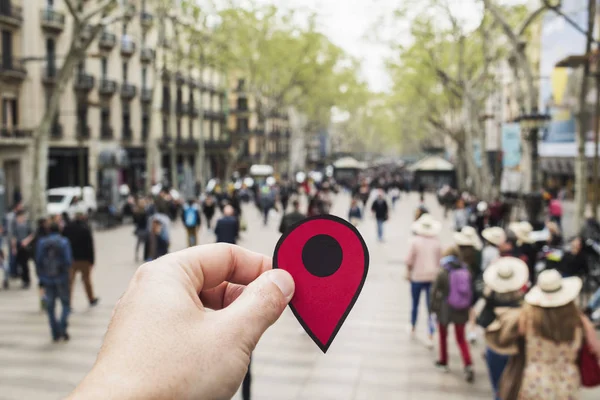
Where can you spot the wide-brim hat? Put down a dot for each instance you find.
(522, 231)
(495, 235)
(505, 275)
(426, 225)
(552, 290)
(468, 237)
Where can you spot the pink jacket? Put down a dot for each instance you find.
(423, 258)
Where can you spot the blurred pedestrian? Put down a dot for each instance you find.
(228, 227)
(524, 248)
(9, 225)
(140, 223)
(192, 221)
(43, 230)
(423, 263)
(494, 237)
(267, 201)
(156, 243)
(54, 260)
(461, 216)
(208, 209)
(354, 213)
(81, 239)
(380, 210)
(451, 300)
(291, 218)
(23, 236)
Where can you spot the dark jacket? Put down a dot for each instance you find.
(355, 212)
(439, 295)
(161, 247)
(140, 220)
(227, 230)
(79, 235)
(380, 208)
(290, 220)
(66, 258)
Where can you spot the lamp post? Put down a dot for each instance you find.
(532, 123)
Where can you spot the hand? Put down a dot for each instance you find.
(162, 343)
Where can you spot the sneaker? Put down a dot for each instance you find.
(469, 374)
(442, 366)
(66, 336)
(94, 302)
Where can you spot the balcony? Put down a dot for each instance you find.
(84, 82)
(11, 16)
(106, 132)
(193, 111)
(241, 110)
(127, 134)
(193, 83)
(107, 41)
(147, 55)
(165, 107)
(127, 46)
(52, 21)
(14, 133)
(56, 131)
(107, 88)
(179, 79)
(146, 95)
(49, 74)
(128, 91)
(211, 114)
(165, 75)
(12, 69)
(181, 109)
(82, 131)
(146, 20)
(221, 143)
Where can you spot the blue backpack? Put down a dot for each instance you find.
(190, 217)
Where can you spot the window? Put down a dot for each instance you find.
(81, 68)
(179, 97)
(125, 68)
(178, 127)
(126, 116)
(145, 126)
(242, 104)
(165, 126)
(104, 67)
(242, 124)
(144, 76)
(7, 49)
(51, 57)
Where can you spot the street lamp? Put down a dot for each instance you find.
(532, 123)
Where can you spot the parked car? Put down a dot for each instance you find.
(71, 201)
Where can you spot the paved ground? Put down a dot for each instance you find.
(372, 357)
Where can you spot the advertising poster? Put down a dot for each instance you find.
(511, 145)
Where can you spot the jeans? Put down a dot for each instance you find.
(496, 364)
(265, 211)
(416, 288)
(595, 301)
(58, 290)
(380, 223)
(459, 332)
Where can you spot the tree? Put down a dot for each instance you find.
(89, 19)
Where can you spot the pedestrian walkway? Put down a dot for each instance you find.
(371, 358)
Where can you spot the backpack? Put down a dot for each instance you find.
(52, 259)
(190, 217)
(460, 294)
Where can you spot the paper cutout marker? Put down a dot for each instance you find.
(329, 261)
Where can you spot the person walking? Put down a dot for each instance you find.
(267, 201)
(228, 227)
(22, 238)
(354, 213)
(43, 230)
(53, 261)
(80, 237)
(524, 246)
(208, 209)
(140, 222)
(381, 211)
(461, 216)
(9, 224)
(292, 218)
(553, 330)
(494, 238)
(423, 263)
(451, 299)
(192, 222)
(156, 243)
(504, 280)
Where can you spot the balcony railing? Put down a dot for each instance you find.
(179, 79)
(127, 47)
(165, 107)
(127, 133)
(128, 91)
(181, 109)
(82, 131)
(49, 74)
(146, 95)
(11, 15)
(107, 87)
(84, 82)
(14, 133)
(52, 21)
(147, 55)
(222, 142)
(12, 68)
(56, 130)
(107, 41)
(194, 111)
(146, 19)
(106, 132)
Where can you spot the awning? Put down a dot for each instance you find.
(563, 166)
(432, 163)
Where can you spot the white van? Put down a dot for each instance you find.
(69, 200)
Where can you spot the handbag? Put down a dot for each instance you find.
(589, 369)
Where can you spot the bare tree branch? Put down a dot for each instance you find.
(73, 11)
(531, 18)
(556, 8)
(100, 9)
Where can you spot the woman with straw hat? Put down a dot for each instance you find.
(469, 246)
(494, 237)
(504, 280)
(553, 329)
(524, 248)
(422, 263)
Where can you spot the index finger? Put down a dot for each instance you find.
(209, 265)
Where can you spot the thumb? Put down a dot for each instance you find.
(260, 305)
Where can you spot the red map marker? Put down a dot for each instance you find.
(328, 260)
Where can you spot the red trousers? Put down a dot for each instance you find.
(459, 330)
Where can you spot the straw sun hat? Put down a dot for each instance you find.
(426, 225)
(468, 237)
(522, 231)
(494, 235)
(507, 274)
(552, 290)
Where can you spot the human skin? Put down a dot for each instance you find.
(163, 342)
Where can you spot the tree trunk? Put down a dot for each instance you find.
(581, 176)
(460, 167)
(595, 179)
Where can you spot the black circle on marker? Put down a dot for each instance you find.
(322, 255)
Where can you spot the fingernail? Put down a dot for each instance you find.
(284, 281)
